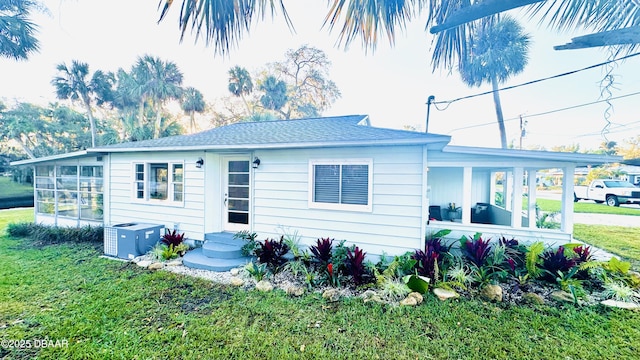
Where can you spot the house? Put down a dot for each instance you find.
(334, 176)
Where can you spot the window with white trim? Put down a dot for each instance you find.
(158, 181)
(341, 185)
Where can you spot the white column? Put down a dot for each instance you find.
(492, 189)
(516, 211)
(566, 217)
(507, 193)
(467, 176)
(531, 211)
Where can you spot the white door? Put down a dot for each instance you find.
(237, 192)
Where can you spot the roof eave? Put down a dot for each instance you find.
(578, 159)
(65, 156)
(390, 142)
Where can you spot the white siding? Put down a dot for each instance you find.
(188, 217)
(281, 188)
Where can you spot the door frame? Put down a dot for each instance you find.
(224, 174)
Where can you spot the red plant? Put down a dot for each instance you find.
(476, 250)
(330, 269)
(272, 252)
(322, 251)
(172, 238)
(355, 264)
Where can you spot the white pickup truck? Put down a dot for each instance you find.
(613, 192)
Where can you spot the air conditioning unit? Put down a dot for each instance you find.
(129, 240)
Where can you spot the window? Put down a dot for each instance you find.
(342, 185)
(158, 181)
(70, 191)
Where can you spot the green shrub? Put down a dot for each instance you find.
(47, 235)
(20, 230)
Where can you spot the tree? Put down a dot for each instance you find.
(275, 93)
(192, 102)
(73, 83)
(157, 81)
(240, 84)
(499, 50)
(224, 22)
(608, 148)
(309, 89)
(21, 124)
(17, 32)
(632, 150)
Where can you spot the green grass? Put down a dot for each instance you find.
(619, 240)
(9, 189)
(584, 207)
(115, 310)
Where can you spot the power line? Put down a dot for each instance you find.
(548, 112)
(449, 102)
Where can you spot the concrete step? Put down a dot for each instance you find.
(218, 250)
(223, 238)
(197, 260)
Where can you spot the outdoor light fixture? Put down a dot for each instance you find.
(256, 163)
(199, 163)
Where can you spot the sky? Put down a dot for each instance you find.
(391, 84)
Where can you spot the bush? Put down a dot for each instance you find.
(47, 235)
(20, 230)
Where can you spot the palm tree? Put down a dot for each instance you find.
(224, 22)
(17, 32)
(240, 84)
(192, 102)
(498, 51)
(73, 83)
(157, 81)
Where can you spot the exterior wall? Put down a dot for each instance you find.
(57, 220)
(395, 224)
(523, 235)
(188, 217)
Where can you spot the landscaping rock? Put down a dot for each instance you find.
(371, 296)
(409, 301)
(331, 295)
(620, 304)
(264, 285)
(144, 263)
(235, 281)
(295, 291)
(176, 262)
(562, 296)
(532, 298)
(491, 293)
(155, 266)
(234, 271)
(445, 294)
(417, 296)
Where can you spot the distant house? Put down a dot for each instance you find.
(334, 176)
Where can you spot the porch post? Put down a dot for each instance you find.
(531, 211)
(467, 175)
(507, 195)
(492, 189)
(516, 211)
(566, 215)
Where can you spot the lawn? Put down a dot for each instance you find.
(589, 207)
(619, 240)
(9, 188)
(14, 195)
(116, 310)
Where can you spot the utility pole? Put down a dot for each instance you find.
(430, 100)
(523, 131)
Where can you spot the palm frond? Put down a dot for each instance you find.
(368, 19)
(222, 23)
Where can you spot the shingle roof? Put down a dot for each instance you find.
(352, 130)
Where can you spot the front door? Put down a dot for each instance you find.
(237, 193)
